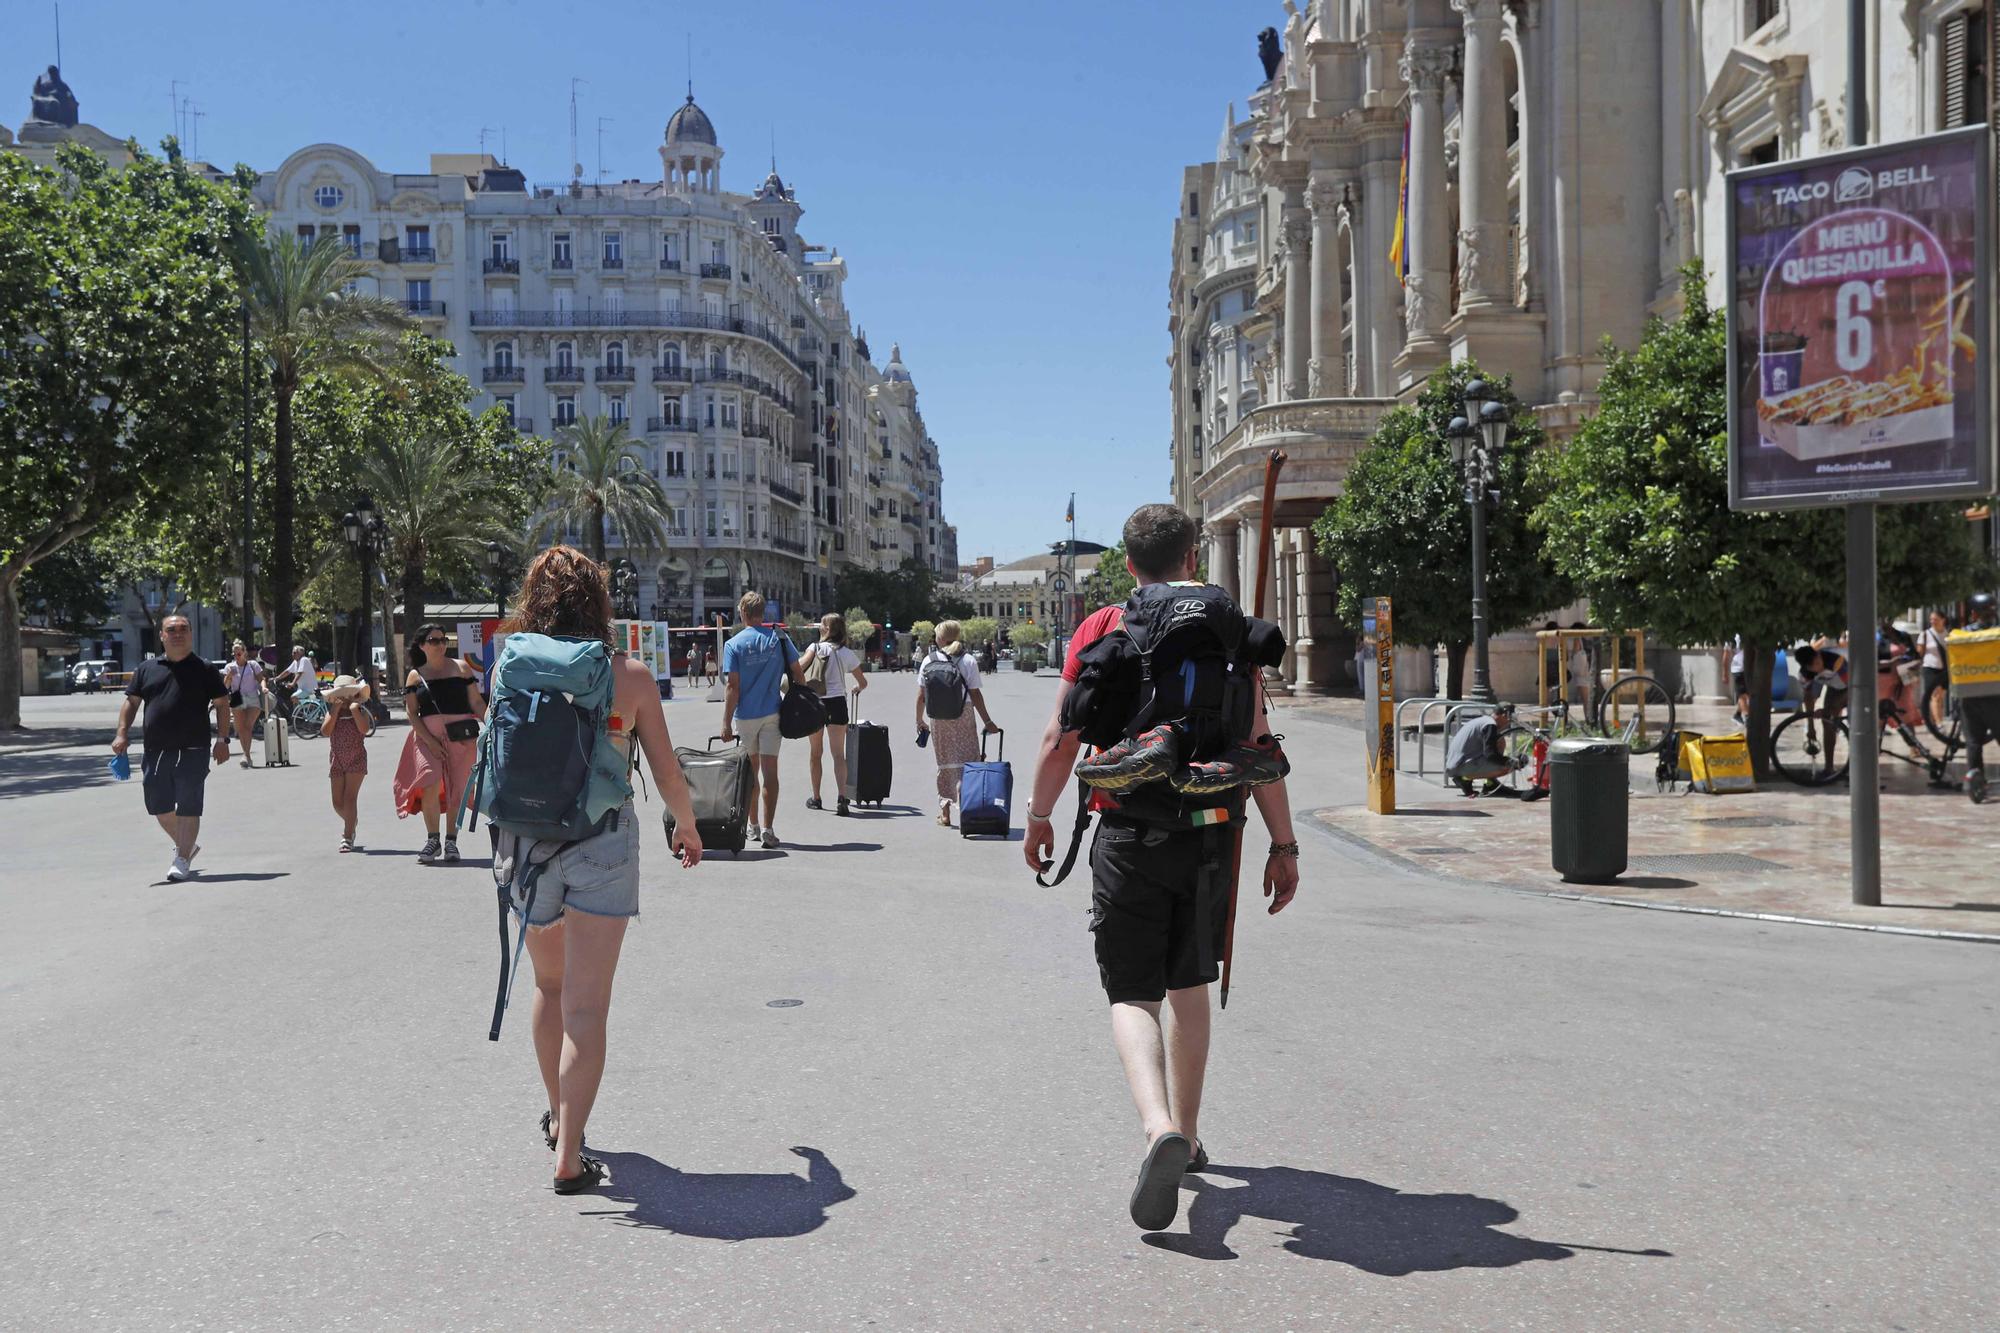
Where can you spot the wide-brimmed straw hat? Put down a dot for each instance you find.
(346, 685)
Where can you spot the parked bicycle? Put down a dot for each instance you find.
(1637, 711)
(1812, 750)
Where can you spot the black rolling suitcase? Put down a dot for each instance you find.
(869, 765)
(719, 788)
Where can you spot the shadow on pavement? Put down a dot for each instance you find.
(832, 846)
(1652, 882)
(32, 774)
(1368, 1226)
(27, 739)
(1407, 812)
(240, 877)
(880, 811)
(722, 1205)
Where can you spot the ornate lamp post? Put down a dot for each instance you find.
(367, 536)
(499, 565)
(1476, 441)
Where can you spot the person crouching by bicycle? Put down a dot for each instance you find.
(441, 696)
(1475, 751)
(1822, 676)
(347, 727)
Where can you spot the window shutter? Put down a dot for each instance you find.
(1952, 73)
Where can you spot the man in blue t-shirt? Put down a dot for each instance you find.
(755, 662)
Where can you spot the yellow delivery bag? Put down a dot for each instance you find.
(1717, 764)
(1973, 660)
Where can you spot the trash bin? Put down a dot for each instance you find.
(1589, 794)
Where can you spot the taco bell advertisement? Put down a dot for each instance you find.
(1859, 326)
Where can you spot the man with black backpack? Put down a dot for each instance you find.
(1167, 688)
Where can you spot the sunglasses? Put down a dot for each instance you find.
(437, 639)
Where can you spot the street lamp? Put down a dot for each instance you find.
(499, 564)
(367, 536)
(1476, 440)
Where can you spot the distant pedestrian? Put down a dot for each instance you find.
(948, 695)
(834, 671)
(301, 676)
(588, 892)
(244, 679)
(1934, 674)
(756, 661)
(347, 727)
(442, 698)
(179, 690)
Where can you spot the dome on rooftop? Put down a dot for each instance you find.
(773, 186)
(691, 124)
(896, 370)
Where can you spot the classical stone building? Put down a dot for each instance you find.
(1565, 159)
(701, 317)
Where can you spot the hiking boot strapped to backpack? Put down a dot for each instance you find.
(546, 775)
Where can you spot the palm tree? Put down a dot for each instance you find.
(604, 483)
(435, 506)
(309, 317)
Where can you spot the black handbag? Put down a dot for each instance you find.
(800, 713)
(465, 729)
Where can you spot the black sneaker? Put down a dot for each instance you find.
(1250, 764)
(1975, 785)
(428, 853)
(1147, 757)
(451, 851)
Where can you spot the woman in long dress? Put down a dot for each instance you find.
(439, 692)
(954, 740)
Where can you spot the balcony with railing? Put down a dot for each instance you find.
(525, 425)
(424, 309)
(613, 261)
(1321, 438)
(789, 544)
(562, 263)
(412, 254)
(633, 319)
(756, 430)
(512, 373)
(674, 374)
(670, 425)
(501, 264)
(716, 270)
(562, 375)
(622, 373)
(669, 265)
(791, 497)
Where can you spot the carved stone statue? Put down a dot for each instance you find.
(1415, 297)
(1267, 51)
(53, 103)
(1471, 264)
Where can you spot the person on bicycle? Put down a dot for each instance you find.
(1475, 751)
(1823, 675)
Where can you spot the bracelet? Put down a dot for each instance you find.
(1034, 818)
(1290, 849)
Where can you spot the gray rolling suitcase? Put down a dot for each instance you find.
(277, 740)
(719, 787)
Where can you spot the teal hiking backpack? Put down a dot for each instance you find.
(546, 775)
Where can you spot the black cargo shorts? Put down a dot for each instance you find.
(1159, 906)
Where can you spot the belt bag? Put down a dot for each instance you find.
(236, 698)
(465, 729)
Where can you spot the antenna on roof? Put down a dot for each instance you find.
(174, 103)
(196, 152)
(690, 50)
(59, 35)
(575, 167)
(483, 132)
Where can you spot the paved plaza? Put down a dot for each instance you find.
(265, 1098)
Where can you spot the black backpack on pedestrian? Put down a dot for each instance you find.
(945, 693)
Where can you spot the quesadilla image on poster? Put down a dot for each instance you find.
(1860, 329)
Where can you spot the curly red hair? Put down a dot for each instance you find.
(564, 592)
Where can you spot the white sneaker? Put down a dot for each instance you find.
(178, 871)
(753, 833)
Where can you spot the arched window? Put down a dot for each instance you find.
(503, 356)
(715, 580)
(614, 356)
(670, 356)
(718, 361)
(565, 356)
(672, 578)
(670, 411)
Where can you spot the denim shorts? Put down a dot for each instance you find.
(598, 876)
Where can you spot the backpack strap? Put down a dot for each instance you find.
(508, 864)
(1075, 838)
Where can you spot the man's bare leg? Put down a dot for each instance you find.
(769, 763)
(1135, 1031)
(189, 829)
(1187, 1055)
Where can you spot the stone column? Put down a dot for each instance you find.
(1482, 159)
(1297, 348)
(1222, 557)
(1325, 371)
(1427, 291)
(1379, 331)
(1304, 610)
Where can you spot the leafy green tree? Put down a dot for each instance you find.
(601, 481)
(435, 506)
(924, 633)
(1112, 584)
(118, 303)
(900, 597)
(1401, 528)
(72, 590)
(1638, 518)
(980, 630)
(950, 604)
(860, 629)
(309, 318)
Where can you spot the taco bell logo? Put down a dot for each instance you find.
(1854, 184)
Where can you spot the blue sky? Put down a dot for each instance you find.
(1001, 178)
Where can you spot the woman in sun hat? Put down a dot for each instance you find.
(346, 730)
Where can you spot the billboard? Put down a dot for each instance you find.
(1860, 295)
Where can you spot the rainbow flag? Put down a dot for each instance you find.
(1399, 250)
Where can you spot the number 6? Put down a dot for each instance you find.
(1854, 332)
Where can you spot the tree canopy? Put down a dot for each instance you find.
(900, 597)
(118, 379)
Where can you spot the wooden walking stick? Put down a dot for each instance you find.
(1266, 531)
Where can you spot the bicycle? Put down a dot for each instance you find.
(1806, 746)
(308, 714)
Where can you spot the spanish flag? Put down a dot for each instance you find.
(1399, 250)
(1069, 515)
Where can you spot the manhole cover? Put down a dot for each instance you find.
(783, 1004)
(1713, 862)
(1439, 851)
(1748, 821)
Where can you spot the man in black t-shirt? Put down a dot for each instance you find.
(179, 691)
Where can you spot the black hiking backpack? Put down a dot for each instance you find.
(945, 692)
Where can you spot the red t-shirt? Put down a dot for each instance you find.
(1094, 627)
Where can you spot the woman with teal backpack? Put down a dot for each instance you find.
(586, 893)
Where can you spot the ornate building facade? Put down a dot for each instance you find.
(1565, 158)
(702, 318)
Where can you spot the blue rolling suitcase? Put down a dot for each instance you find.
(986, 794)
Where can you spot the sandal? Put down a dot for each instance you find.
(549, 1131)
(944, 819)
(1199, 1162)
(589, 1178)
(1156, 1198)
(347, 844)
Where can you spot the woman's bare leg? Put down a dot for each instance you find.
(818, 741)
(836, 739)
(243, 721)
(545, 950)
(590, 959)
(433, 808)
